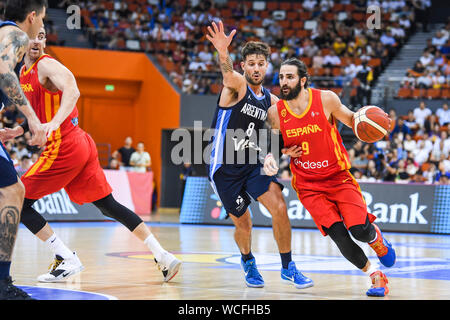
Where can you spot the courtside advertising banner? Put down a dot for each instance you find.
(398, 207)
(131, 189)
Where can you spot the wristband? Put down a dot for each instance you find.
(25, 126)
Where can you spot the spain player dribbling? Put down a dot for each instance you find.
(70, 161)
(307, 119)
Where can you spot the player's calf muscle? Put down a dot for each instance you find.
(9, 220)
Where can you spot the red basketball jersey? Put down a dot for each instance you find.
(323, 151)
(44, 102)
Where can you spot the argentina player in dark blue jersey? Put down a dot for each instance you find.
(24, 18)
(235, 171)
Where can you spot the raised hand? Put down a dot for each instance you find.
(218, 37)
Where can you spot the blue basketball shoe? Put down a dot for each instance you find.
(292, 275)
(379, 285)
(383, 249)
(253, 278)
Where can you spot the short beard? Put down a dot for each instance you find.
(253, 83)
(293, 93)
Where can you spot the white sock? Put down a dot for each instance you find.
(371, 269)
(154, 247)
(58, 247)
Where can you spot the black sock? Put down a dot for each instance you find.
(285, 259)
(247, 257)
(4, 269)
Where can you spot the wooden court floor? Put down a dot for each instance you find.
(119, 266)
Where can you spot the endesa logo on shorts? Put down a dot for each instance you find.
(311, 164)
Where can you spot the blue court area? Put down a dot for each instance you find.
(42, 293)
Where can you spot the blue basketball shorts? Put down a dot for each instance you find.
(235, 186)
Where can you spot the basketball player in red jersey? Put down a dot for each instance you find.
(307, 119)
(69, 161)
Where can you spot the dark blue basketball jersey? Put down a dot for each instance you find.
(236, 141)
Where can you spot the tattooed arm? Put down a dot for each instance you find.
(13, 45)
(235, 85)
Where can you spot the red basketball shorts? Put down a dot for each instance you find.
(70, 163)
(337, 199)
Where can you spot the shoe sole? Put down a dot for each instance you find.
(173, 270)
(298, 286)
(72, 273)
(254, 285)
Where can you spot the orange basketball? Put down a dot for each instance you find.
(370, 124)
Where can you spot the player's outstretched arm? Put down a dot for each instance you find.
(233, 81)
(12, 48)
(63, 79)
(333, 107)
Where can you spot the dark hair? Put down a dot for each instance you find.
(17, 10)
(254, 47)
(302, 70)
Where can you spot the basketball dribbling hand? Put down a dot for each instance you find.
(293, 152)
(270, 165)
(218, 37)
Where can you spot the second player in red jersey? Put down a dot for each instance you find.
(307, 120)
(69, 161)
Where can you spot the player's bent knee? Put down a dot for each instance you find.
(14, 193)
(363, 233)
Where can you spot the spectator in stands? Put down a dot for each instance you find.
(439, 60)
(410, 121)
(426, 58)
(400, 127)
(331, 59)
(140, 159)
(443, 174)
(24, 164)
(14, 158)
(421, 113)
(188, 84)
(409, 144)
(389, 42)
(418, 69)
(113, 164)
(310, 49)
(365, 77)
(398, 32)
(422, 12)
(439, 39)
(206, 56)
(390, 164)
(438, 80)
(309, 5)
(197, 65)
(125, 153)
(22, 150)
(443, 114)
(424, 81)
(422, 153)
(10, 115)
(408, 81)
(339, 46)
